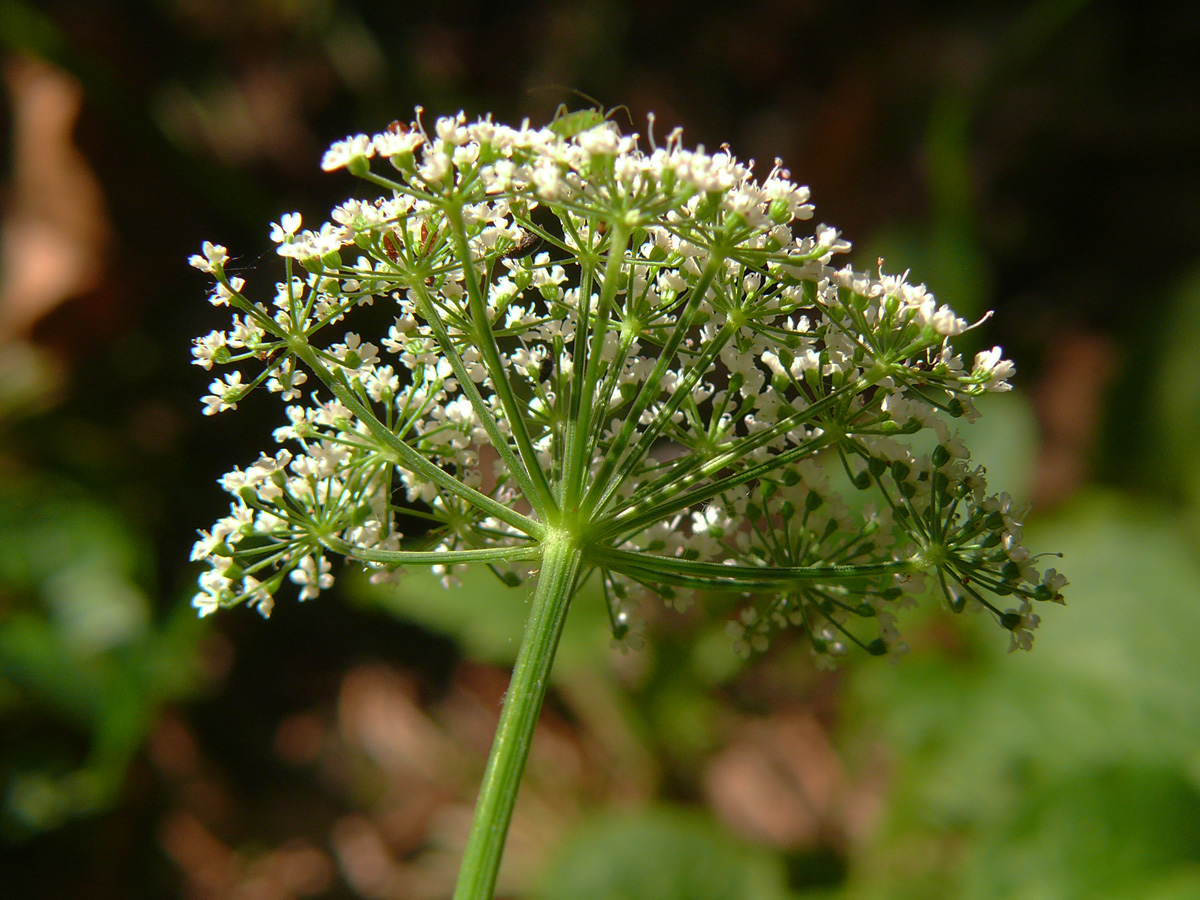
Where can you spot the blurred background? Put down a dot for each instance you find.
(1040, 158)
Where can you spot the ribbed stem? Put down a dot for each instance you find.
(514, 734)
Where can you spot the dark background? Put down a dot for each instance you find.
(1040, 159)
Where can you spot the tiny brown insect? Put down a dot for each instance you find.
(428, 239)
(528, 243)
(398, 127)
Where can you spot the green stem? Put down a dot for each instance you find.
(431, 558)
(583, 390)
(654, 569)
(490, 353)
(650, 386)
(429, 310)
(683, 391)
(406, 456)
(522, 703)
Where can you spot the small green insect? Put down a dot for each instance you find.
(567, 123)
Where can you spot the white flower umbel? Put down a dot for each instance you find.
(613, 361)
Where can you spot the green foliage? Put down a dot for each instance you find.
(1006, 436)
(1070, 773)
(659, 854)
(485, 616)
(78, 647)
(1175, 406)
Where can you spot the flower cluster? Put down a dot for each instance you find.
(641, 349)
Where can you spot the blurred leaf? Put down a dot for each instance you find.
(659, 854)
(1004, 440)
(48, 527)
(1109, 833)
(486, 617)
(95, 608)
(30, 379)
(996, 754)
(946, 252)
(1176, 398)
(78, 647)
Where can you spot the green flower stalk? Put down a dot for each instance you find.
(608, 362)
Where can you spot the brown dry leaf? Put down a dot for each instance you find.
(55, 236)
(424, 767)
(378, 711)
(209, 866)
(1070, 403)
(780, 782)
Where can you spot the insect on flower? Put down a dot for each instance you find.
(567, 123)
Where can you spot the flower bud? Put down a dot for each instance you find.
(779, 212)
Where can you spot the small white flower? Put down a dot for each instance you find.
(285, 228)
(206, 348)
(313, 576)
(341, 153)
(214, 588)
(225, 394)
(435, 166)
(257, 596)
(991, 368)
(1054, 580)
(214, 258)
(397, 143)
(221, 294)
(450, 130)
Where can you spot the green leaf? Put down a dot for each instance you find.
(659, 854)
(78, 645)
(1004, 440)
(486, 616)
(1176, 413)
(1073, 767)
